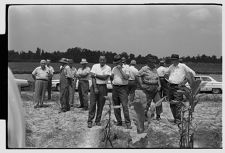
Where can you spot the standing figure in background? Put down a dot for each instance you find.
(149, 82)
(73, 85)
(41, 76)
(65, 83)
(162, 69)
(83, 85)
(132, 83)
(177, 75)
(100, 74)
(120, 76)
(50, 78)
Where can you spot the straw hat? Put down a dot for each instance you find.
(83, 61)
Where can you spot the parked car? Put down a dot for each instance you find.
(210, 84)
(22, 83)
(55, 85)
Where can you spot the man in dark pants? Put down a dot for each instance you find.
(161, 70)
(120, 76)
(177, 76)
(50, 78)
(65, 82)
(100, 74)
(83, 84)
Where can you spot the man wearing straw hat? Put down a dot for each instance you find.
(65, 83)
(100, 74)
(177, 76)
(74, 80)
(120, 76)
(40, 75)
(149, 82)
(83, 85)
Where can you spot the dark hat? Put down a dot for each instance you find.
(63, 60)
(117, 59)
(151, 59)
(174, 57)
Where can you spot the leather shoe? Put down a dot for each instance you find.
(98, 124)
(119, 124)
(89, 125)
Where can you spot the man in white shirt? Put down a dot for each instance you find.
(50, 78)
(40, 75)
(162, 69)
(132, 83)
(100, 74)
(178, 74)
(120, 76)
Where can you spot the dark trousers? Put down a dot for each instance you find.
(83, 87)
(64, 99)
(164, 87)
(120, 96)
(97, 100)
(49, 88)
(174, 95)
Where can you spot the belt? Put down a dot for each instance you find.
(42, 79)
(173, 84)
(131, 80)
(119, 85)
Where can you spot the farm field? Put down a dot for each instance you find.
(45, 128)
(28, 67)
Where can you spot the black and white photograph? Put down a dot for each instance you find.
(114, 76)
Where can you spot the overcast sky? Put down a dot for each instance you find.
(161, 30)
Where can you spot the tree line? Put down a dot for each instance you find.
(92, 56)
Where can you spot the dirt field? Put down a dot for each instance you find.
(45, 128)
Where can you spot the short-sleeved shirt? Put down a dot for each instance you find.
(177, 74)
(148, 75)
(40, 73)
(74, 72)
(133, 72)
(67, 71)
(118, 78)
(84, 71)
(105, 70)
(51, 69)
(162, 71)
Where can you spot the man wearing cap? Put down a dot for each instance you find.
(50, 78)
(132, 83)
(74, 80)
(83, 85)
(120, 76)
(100, 74)
(162, 69)
(177, 76)
(40, 75)
(148, 79)
(65, 83)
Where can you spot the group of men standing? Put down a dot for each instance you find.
(124, 78)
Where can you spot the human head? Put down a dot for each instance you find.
(117, 60)
(70, 62)
(162, 63)
(133, 62)
(63, 61)
(48, 61)
(123, 60)
(102, 60)
(151, 61)
(43, 64)
(83, 62)
(175, 59)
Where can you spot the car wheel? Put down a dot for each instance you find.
(216, 91)
(57, 87)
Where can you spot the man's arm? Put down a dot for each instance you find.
(85, 73)
(124, 75)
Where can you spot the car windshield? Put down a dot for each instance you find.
(206, 79)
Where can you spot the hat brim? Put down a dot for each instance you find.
(116, 62)
(83, 62)
(63, 62)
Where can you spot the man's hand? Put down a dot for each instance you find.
(92, 74)
(159, 88)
